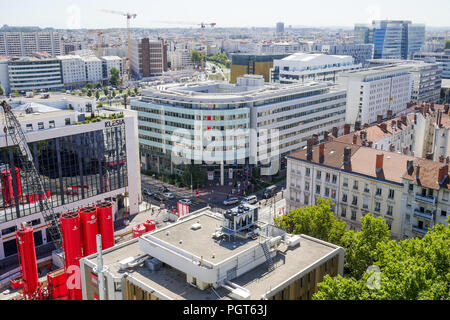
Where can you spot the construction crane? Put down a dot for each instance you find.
(99, 39)
(202, 25)
(13, 129)
(129, 17)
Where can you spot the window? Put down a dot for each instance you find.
(51, 124)
(344, 197)
(390, 211)
(391, 194)
(379, 192)
(308, 172)
(355, 201)
(319, 175)
(365, 204)
(353, 215)
(333, 194)
(29, 127)
(445, 196)
(327, 192)
(327, 177)
(334, 179)
(355, 185)
(366, 188)
(344, 212)
(408, 218)
(411, 187)
(345, 184)
(306, 186)
(377, 207)
(443, 213)
(306, 202)
(67, 121)
(40, 125)
(317, 189)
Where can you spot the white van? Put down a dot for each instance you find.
(250, 199)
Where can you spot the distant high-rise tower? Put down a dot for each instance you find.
(392, 39)
(280, 27)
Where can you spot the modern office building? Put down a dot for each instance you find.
(361, 52)
(109, 62)
(254, 64)
(362, 180)
(81, 163)
(280, 27)
(94, 69)
(375, 91)
(242, 125)
(73, 71)
(392, 39)
(304, 67)
(148, 57)
(34, 73)
(24, 44)
(426, 78)
(207, 256)
(440, 57)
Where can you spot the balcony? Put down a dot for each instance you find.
(419, 230)
(424, 215)
(430, 200)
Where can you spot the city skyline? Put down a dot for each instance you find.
(87, 14)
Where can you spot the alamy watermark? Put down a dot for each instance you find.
(374, 280)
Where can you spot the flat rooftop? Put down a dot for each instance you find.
(171, 282)
(53, 97)
(193, 241)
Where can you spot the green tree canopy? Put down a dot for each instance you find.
(115, 77)
(89, 93)
(196, 56)
(89, 85)
(412, 269)
(97, 94)
(136, 90)
(198, 175)
(2, 91)
(317, 221)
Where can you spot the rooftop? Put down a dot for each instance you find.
(377, 70)
(316, 58)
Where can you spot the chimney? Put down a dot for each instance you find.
(399, 124)
(392, 147)
(379, 164)
(389, 114)
(418, 174)
(321, 152)
(405, 150)
(309, 149)
(379, 118)
(357, 125)
(404, 120)
(346, 129)
(355, 139)
(366, 125)
(370, 144)
(315, 139)
(441, 159)
(335, 132)
(432, 107)
(410, 166)
(325, 135)
(439, 119)
(415, 118)
(383, 126)
(347, 157)
(443, 172)
(429, 156)
(394, 123)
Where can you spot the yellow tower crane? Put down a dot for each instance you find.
(99, 39)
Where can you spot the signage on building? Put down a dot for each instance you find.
(114, 123)
(211, 175)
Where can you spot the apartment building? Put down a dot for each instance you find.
(361, 52)
(375, 91)
(440, 57)
(73, 70)
(80, 164)
(426, 78)
(304, 67)
(24, 44)
(362, 180)
(148, 57)
(206, 256)
(109, 62)
(251, 121)
(94, 69)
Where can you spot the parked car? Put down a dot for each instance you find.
(186, 201)
(147, 192)
(250, 200)
(231, 201)
(169, 195)
(158, 196)
(270, 192)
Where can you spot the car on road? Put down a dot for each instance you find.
(147, 192)
(250, 200)
(169, 195)
(270, 192)
(186, 201)
(158, 196)
(231, 201)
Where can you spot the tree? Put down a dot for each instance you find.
(113, 93)
(136, 90)
(317, 221)
(412, 269)
(2, 91)
(99, 105)
(125, 100)
(447, 44)
(97, 94)
(115, 77)
(196, 173)
(89, 93)
(98, 85)
(120, 90)
(361, 246)
(129, 92)
(15, 93)
(196, 56)
(89, 86)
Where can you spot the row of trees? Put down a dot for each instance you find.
(410, 269)
(197, 56)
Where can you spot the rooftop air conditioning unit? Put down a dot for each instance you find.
(196, 226)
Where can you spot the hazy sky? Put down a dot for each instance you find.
(229, 13)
